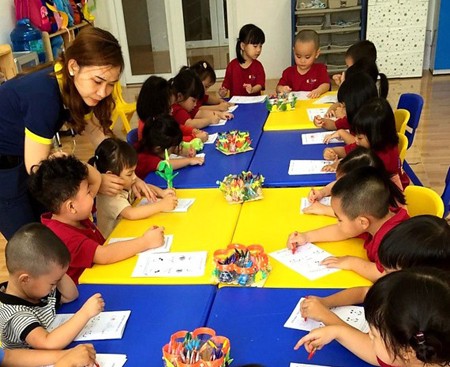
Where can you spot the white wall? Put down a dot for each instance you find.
(7, 20)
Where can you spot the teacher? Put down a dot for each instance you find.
(33, 108)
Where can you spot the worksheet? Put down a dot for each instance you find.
(313, 112)
(106, 325)
(173, 264)
(212, 138)
(232, 108)
(182, 206)
(304, 202)
(248, 99)
(327, 99)
(305, 261)
(168, 239)
(175, 156)
(307, 167)
(220, 123)
(317, 138)
(352, 315)
(110, 360)
(302, 95)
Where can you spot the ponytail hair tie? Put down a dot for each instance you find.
(204, 65)
(96, 157)
(420, 338)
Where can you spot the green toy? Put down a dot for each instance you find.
(165, 171)
(195, 143)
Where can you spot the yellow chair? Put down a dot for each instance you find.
(123, 110)
(402, 146)
(422, 200)
(401, 120)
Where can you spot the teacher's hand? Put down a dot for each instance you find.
(140, 188)
(111, 184)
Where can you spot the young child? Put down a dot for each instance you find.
(155, 98)
(245, 75)
(360, 50)
(409, 320)
(306, 74)
(161, 134)
(207, 76)
(374, 127)
(67, 187)
(37, 262)
(118, 157)
(188, 89)
(370, 68)
(419, 241)
(360, 157)
(365, 202)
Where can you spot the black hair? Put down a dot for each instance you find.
(423, 240)
(57, 180)
(359, 157)
(187, 83)
(33, 248)
(367, 191)
(249, 34)
(204, 70)
(362, 49)
(365, 65)
(154, 98)
(163, 132)
(410, 310)
(113, 155)
(308, 35)
(354, 92)
(376, 120)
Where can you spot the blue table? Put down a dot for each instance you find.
(253, 319)
(275, 151)
(248, 117)
(156, 313)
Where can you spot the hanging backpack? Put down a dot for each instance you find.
(34, 10)
(64, 6)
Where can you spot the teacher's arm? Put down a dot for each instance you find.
(35, 152)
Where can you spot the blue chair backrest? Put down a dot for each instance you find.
(446, 194)
(132, 136)
(413, 103)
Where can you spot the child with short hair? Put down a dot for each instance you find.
(162, 134)
(366, 203)
(67, 187)
(370, 68)
(245, 75)
(409, 320)
(419, 241)
(118, 157)
(37, 262)
(188, 89)
(306, 74)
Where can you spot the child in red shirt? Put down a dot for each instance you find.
(245, 75)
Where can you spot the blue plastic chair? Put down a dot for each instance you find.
(446, 194)
(132, 136)
(413, 103)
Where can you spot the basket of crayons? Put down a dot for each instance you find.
(247, 266)
(243, 187)
(281, 102)
(233, 142)
(201, 348)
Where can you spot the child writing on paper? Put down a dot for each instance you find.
(118, 157)
(409, 322)
(306, 74)
(163, 133)
(156, 98)
(67, 187)
(188, 89)
(37, 262)
(419, 241)
(245, 75)
(366, 203)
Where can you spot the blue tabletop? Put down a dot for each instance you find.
(275, 151)
(253, 319)
(247, 117)
(156, 313)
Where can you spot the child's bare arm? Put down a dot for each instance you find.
(183, 162)
(39, 338)
(324, 234)
(166, 204)
(94, 179)
(319, 209)
(346, 136)
(314, 308)
(350, 296)
(283, 88)
(68, 289)
(325, 123)
(321, 89)
(360, 266)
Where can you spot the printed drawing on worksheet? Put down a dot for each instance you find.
(352, 315)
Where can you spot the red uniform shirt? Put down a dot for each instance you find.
(200, 102)
(372, 243)
(147, 162)
(342, 123)
(389, 156)
(236, 76)
(382, 364)
(81, 242)
(314, 77)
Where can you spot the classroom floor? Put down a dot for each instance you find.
(429, 156)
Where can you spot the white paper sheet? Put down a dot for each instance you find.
(174, 264)
(220, 123)
(232, 108)
(302, 95)
(313, 112)
(305, 261)
(175, 156)
(352, 315)
(248, 99)
(212, 138)
(304, 202)
(327, 99)
(307, 167)
(106, 325)
(168, 239)
(110, 360)
(317, 138)
(182, 206)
